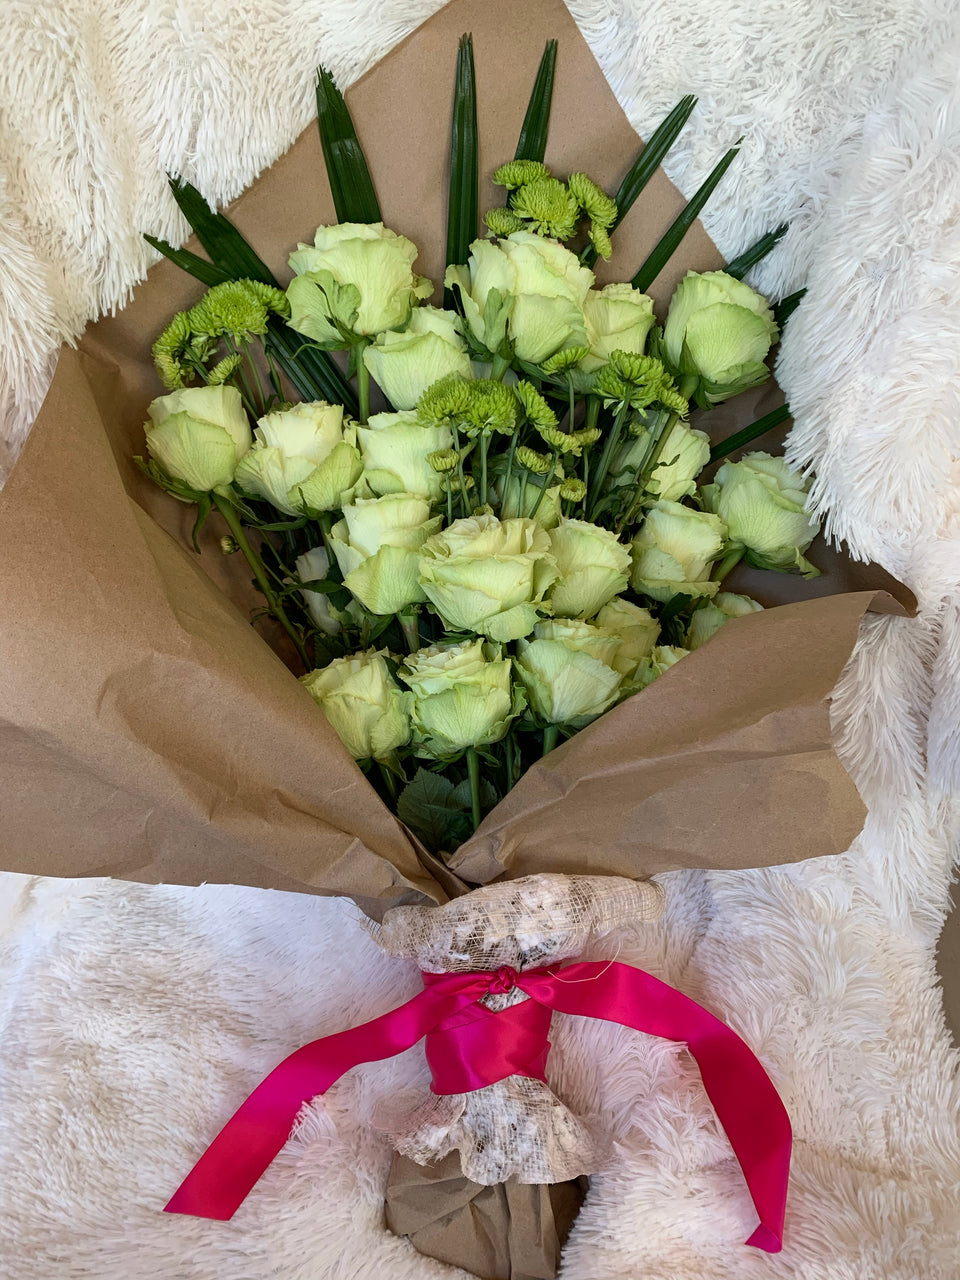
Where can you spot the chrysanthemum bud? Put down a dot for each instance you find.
(443, 460)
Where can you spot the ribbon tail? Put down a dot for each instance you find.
(236, 1159)
(744, 1098)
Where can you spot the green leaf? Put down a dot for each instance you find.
(195, 266)
(646, 164)
(739, 438)
(430, 808)
(314, 373)
(786, 307)
(464, 211)
(536, 123)
(739, 267)
(204, 507)
(671, 238)
(223, 243)
(354, 198)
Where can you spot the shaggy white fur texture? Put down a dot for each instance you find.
(135, 1018)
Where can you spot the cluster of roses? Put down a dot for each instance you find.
(535, 465)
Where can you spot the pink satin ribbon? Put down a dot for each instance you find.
(469, 1046)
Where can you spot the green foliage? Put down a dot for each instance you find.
(351, 186)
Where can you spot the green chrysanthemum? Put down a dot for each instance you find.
(169, 349)
(503, 222)
(517, 173)
(587, 436)
(547, 207)
(230, 309)
(443, 460)
(600, 239)
(596, 204)
(635, 380)
(573, 490)
(443, 400)
(490, 406)
(559, 440)
(535, 408)
(530, 460)
(224, 370)
(569, 358)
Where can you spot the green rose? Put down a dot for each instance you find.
(364, 704)
(404, 364)
(764, 505)
(377, 544)
(617, 318)
(488, 576)
(394, 447)
(568, 673)
(719, 330)
(710, 616)
(460, 698)
(593, 566)
(314, 566)
(198, 435)
(663, 657)
(684, 454)
(355, 281)
(525, 290)
(635, 628)
(673, 551)
(303, 459)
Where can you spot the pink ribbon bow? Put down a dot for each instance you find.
(469, 1046)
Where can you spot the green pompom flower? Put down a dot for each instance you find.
(547, 207)
(596, 204)
(503, 222)
(535, 408)
(443, 400)
(517, 173)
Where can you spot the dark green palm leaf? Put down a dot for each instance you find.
(354, 197)
(195, 266)
(223, 243)
(536, 123)
(785, 308)
(671, 238)
(647, 163)
(739, 267)
(464, 211)
(749, 434)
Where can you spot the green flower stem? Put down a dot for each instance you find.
(484, 446)
(473, 772)
(363, 390)
(523, 493)
(658, 440)
(389, 781)
(229, 513)
(460, 475)
(410, 625)
(551, 736)
(500, 366)
(509, 471)
(593, 411)
(546, 483)
(508, 746)
(609, 448)
(727, 564)
(449, 489)
(571, 400)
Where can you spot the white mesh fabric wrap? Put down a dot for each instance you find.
(517, 1128)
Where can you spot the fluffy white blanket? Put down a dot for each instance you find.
(134, 1018)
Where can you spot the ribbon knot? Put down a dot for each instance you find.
(504, 980)
(470, 1046)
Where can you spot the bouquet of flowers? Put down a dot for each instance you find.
(521, 536)
(505, 539)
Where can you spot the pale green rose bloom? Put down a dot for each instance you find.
(764, 504)
(460, 698)
(488, 576)
(303, 459)
(637, 630)
(674, 550)
(661, 659)
(719, 330)
(567, 671)
(364, 704)
(394, 447)
(548, 512)
(356, 280)
(198, 435)
(593, 566)
(617, 318)
(377, 546)
(541, 287)
(710, 617)
(684, 455)
(314, 566)
(404, 364)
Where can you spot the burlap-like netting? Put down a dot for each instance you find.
(517, 1128)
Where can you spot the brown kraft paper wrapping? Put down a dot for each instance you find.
(148, 732)
(508, 1232)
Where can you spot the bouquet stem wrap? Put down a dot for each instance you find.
(470, 1046)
